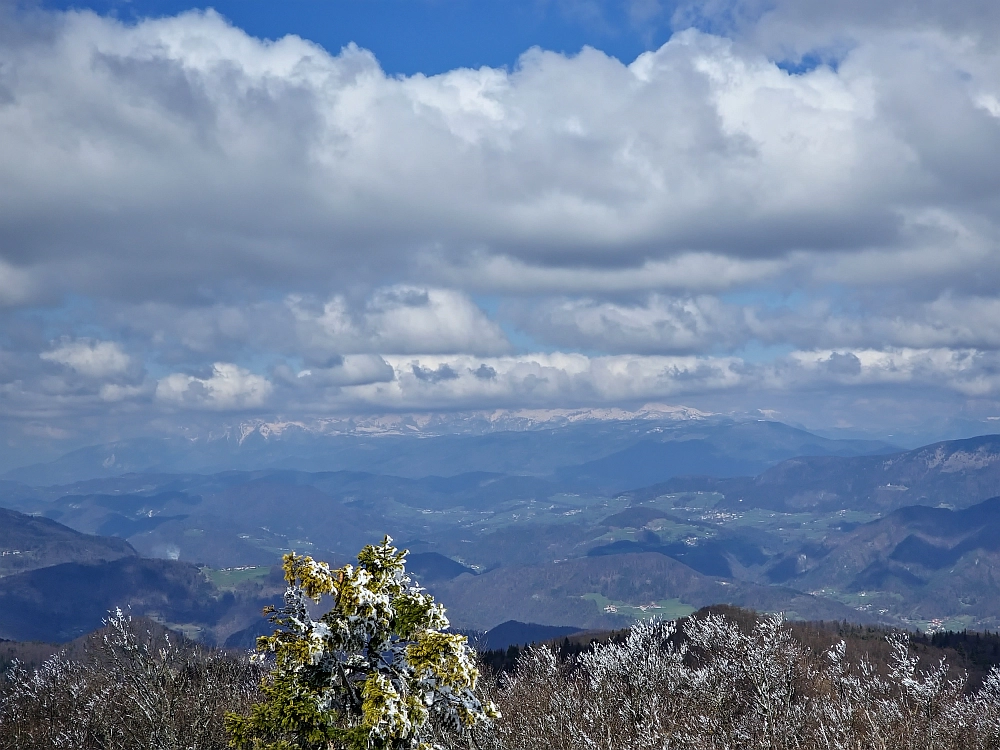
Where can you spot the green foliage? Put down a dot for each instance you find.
(376, 672)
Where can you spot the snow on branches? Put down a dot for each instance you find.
(131, 688)
(707, 684)
(377, 671)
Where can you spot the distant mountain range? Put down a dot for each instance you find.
(956, 473)
(462, 423)
(317, 444)
(551, 526)
(617, 450)
(250, 517)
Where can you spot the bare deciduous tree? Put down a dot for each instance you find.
(130, 691)
(715, 687)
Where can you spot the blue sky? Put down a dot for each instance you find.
(496, 205)
(430, 36)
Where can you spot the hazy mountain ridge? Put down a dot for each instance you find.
(470, 422)
(248, 517)
(956, 473)
(28, 543)
(752, 445)
(935, 561)
(64, 583)
(566, 548)
(556, 593)
(262, 443)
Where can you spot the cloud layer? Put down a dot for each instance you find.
(197, 221)
(155, 142)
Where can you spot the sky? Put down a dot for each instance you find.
(263, 210)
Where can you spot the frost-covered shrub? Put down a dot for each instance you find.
(377, 671)
(714, 686)
(130, 691)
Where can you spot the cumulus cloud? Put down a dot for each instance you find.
(95, 359)
(969, 372)
(542, 379)
(801, 24)
(187, 150)
(399, 318)
(353, 369)
(947, 321)
(659, 324)
(574, 230)
(321, 330)
(229, 387)
(560, 379)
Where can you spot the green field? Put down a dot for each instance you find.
(230, 578)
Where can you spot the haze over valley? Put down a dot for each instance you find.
(588, 523)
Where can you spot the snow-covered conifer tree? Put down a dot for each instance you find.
(377, 671)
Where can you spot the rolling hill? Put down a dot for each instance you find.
(62, 583)
(609, 591)
(820, 537)
(921, 562)
(28, 543)
(956, 473)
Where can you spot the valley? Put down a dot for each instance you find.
(904, 538)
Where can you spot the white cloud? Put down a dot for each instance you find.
(207, 197)
(801, 25)
(229, 387)
(398, 319)
(885, 380)
(659, 324)
(564, 379)
(549, 380)
(949, 321)
(410, 319)
(113, 392)
(352, 369)
(666, 324)
(95, 359)
(395, 318)
(969, 372)
(541, 379)
(699, 271)
(193, 154)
